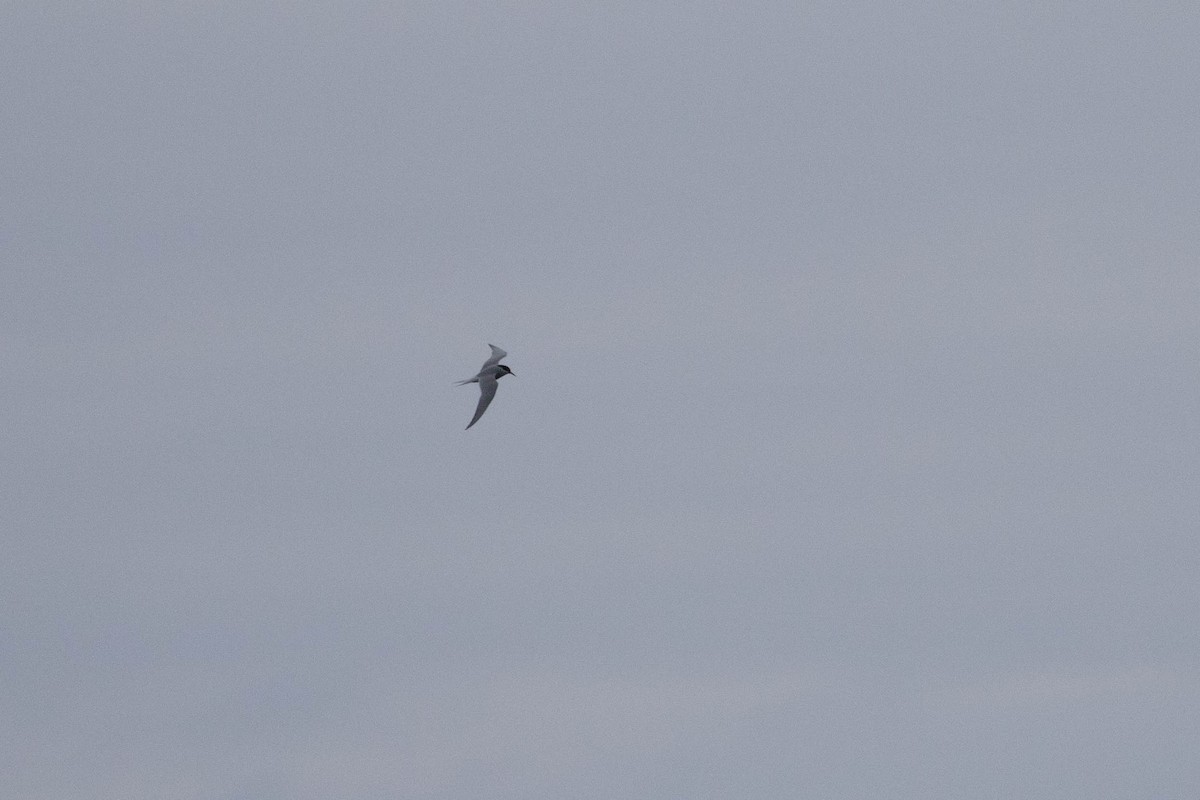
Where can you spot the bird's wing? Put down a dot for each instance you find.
(497, 354)
(487, 390)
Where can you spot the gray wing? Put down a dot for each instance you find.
(497, 354)
(487, 390)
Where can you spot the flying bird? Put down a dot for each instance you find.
(491, 372)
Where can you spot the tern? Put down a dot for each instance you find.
(491, 372)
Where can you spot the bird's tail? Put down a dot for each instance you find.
(463, 383)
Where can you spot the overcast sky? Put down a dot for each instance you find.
(852, 450)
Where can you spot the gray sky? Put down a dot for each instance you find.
(852, 453)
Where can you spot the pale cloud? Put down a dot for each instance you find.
(850, 444)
